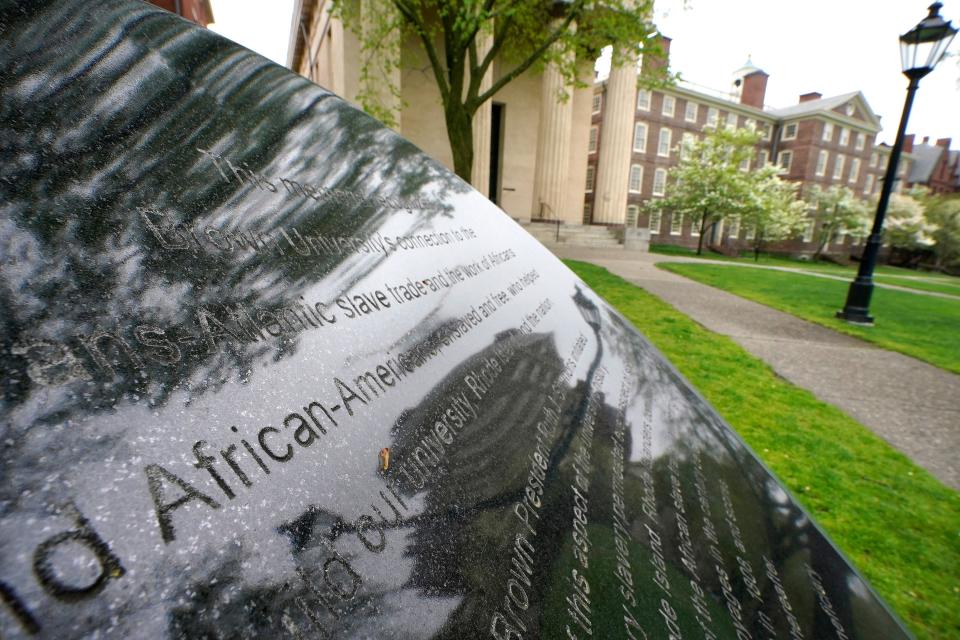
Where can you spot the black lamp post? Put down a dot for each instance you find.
(921, 49)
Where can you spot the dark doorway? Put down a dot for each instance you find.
(496, 152)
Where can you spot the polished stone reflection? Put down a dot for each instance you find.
(268, 371)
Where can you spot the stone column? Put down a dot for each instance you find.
(482, 122)
(616, 141)
(553, 144)
(380, 83)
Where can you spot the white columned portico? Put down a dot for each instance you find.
(616, 138)
(482, 123)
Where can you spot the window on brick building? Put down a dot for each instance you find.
(676, 223)
(636, 178)
(808, 231)
(686, 143)
(828, 132)
(590, 171)
(789, 132)
(733, 230)
(745, 164)
(592, 144)
(713, 115)
(654, 223)
(750, 124)
(587, 210)
(822, 159)
(597, 100)
(751, 232)
(691, 112)
(640, 137)
(868, 185)
(784, 160)
(643, 99)
(838, 166)
(669, 106)
(861, 142)
(762, 157)
(659, 182)
(844, 136)
(854, 171)
(663, 145)
(633, 212)
(873, 159)
(694, 228)
(731, 121)
(765, 131)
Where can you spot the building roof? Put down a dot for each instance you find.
(826, 106)
(925, 159)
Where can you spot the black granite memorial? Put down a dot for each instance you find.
(270, 372)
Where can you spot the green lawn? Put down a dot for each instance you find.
(922, 280)
(924, 327)
(897, 523)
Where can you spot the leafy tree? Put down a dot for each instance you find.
(773, 210)
(838, 210)
(461, 40)
(943, 213)
(906, 225)
(710, 184)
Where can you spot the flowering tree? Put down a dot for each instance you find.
(710, 183)
(773, 211)
(838, 210)
(906, 225)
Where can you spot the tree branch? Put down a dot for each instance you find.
(533, 57)
(418, 25)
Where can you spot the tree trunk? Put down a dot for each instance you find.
(460, 134)
(703, 229)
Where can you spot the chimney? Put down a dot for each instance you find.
(908, 143)
(926, 139)
(944, 142)
(659, 56)
(807, 97)
(754, 89)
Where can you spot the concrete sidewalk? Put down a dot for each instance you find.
(911, 404)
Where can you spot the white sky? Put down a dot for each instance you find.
(830, 46)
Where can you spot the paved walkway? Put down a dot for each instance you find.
(913, 405)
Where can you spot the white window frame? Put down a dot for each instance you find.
(669, 100)
(763, 156)
(873, 159)
(642, 139)
(868, 185)
(784, 135)
(751, 232)
(636, 214)
(766, 131)
(597, 103)
(694, 228)
(808, 231)
(660, 142)
(635, 169)
(676, 224)
(659, 180)
(655, 226)
(713, 117)
(750, 124)
(827, 132)
(789, 156)
(590, 178)
(592, 141)
(745, 164)
(854, 174)
(861, 141)
(644, 98)
(687, 111)
(734, 117)
(587, 212)
(838, 163)
(823, 159)
(686, 141)
(844, 136)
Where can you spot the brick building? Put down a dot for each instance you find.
(936, 166)
(817, 142)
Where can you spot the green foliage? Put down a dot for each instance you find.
(906, 225)
(896, 522)
(710, 184)
(460, 41)
(838, 210)
(921, 326)
(943, 213)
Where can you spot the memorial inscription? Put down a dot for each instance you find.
(268, 371)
